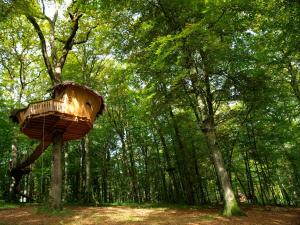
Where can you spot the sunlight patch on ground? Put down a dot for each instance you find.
(137, 216)
(116, 215)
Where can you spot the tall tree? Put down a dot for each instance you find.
(59, 46)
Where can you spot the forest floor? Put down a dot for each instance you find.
(79, 215)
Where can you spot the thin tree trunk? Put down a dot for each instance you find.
(87, 170)
(56, 172)
(165, 195)
(82, 174)
(181, 158)
(170, 167)
(105, 185)
(251, 193)
(202, 199)
(132, 171)
(262, 192)
(146, 174)
(66, 175)
(13, 163)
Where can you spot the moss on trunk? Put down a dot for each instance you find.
(232, 209)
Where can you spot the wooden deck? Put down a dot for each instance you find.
(41, 119)
(40, 108)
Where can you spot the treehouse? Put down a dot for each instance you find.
(72, 111)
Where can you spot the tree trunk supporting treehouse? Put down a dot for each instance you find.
(56, 172)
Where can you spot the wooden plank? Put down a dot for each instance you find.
(34, 155)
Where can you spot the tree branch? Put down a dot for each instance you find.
(37, 28)
(43, 6)
(70, 41)
(86, 37)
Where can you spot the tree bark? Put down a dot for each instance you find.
(66, 171)
(147, 194)
(231, 206)
(87, 170)
(13, 163)
(209, 129)
(165, 195)
(251, 191)
(56, 172)
(133, 175)
(170, 167)
(82, 175)
(181, 160)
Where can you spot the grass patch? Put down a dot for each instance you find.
(154, 205)
(5, 205)
(207, 218)
(45, 210)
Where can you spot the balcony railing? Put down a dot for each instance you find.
(41, 108)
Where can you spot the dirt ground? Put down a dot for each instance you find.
(28, 215)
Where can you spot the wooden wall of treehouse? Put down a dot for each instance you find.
(79, 102)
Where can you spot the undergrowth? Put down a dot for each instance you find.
(5, 205)
(46, 210)
(155, 205)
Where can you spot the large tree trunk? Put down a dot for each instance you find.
(56, 172)
(231, 206)
(209, 129)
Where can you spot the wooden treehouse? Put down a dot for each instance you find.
(72, 111)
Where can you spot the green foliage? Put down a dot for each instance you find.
(158, 64)
(11, 8)
(4, 205)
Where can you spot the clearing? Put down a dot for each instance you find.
(75, 215)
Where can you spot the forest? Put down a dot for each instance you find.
(201, 98)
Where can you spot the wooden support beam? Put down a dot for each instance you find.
(22, 168)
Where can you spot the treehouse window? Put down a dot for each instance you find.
(88, 103)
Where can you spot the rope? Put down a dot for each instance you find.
(43, 145)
